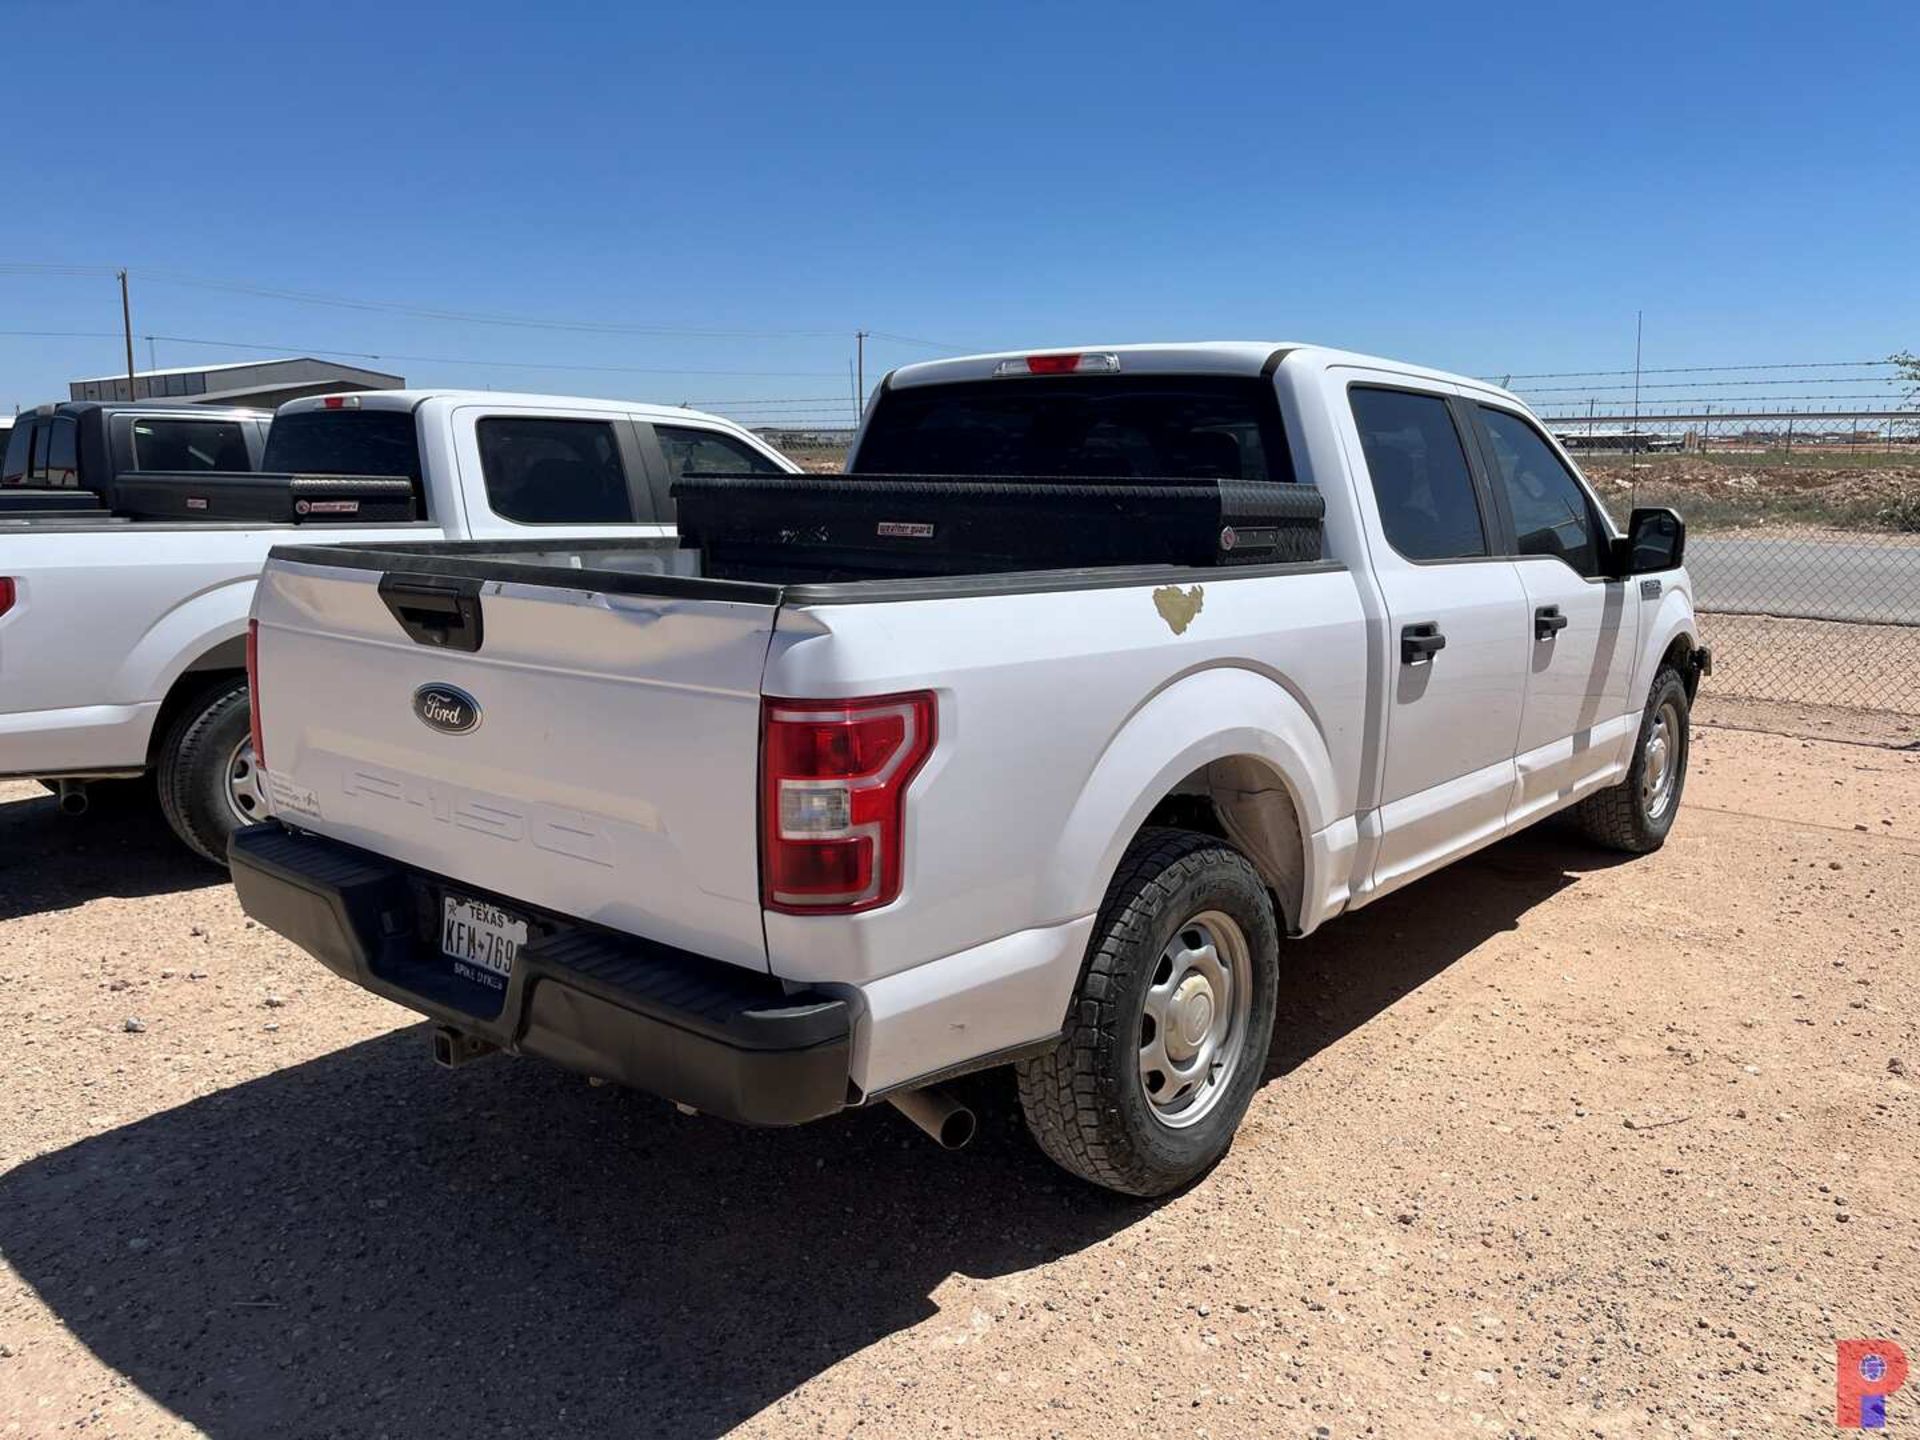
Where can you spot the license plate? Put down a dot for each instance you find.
(481, 940)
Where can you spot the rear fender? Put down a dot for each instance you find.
(204, 628)
(1209, 715)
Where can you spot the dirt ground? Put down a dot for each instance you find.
(1552, 1144)
(1764, 495)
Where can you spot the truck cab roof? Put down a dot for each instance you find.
(413, 399)
(1202, 357)
(170, 408)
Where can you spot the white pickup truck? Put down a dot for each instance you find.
(833, 804)
(122, 640)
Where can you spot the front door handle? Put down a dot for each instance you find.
(1548, 622)
(1420, 643)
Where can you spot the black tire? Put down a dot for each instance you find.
(193, 772)
(1085, 1101)
(1620, 818)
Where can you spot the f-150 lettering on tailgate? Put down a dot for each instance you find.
(545, 827)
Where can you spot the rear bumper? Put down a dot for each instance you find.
(725, 1040)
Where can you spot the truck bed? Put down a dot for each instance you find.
(574, 724)
(831, 539)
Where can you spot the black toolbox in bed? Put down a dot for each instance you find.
(265, 498)
(958, 524)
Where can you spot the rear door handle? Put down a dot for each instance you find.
(1420, 643)
(1548, 622)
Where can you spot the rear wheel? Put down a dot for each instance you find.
(1168, 1035)
(209, 782)
(1636, 814)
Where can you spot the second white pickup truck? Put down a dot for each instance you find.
(122, 639)
(849, 793)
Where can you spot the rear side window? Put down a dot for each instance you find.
(1124, 427)
(1550, 511)
(63, 452)
(189, 445)
(554, 472)
(1420, 477)
(708, 452)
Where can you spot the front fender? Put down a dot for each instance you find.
(1671, 619)
(1204, 716)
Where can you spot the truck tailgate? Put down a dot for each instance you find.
(596, 756)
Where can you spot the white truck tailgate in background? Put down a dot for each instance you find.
(612, 776)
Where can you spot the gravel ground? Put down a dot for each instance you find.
(1552, 1145)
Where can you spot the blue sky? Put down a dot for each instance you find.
(1492, 190)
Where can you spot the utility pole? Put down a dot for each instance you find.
(860, 381)
(153, 355)
(1638, 316)
(126, 322)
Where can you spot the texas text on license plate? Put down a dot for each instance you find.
(481, 940)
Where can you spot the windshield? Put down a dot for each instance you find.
(1223, 427)
(343, 442)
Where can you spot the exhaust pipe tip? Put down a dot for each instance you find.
(73, 797)
(951, 1123)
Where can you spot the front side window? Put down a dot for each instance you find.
(708, 452)
(1551, 515)
(189, 445)
(1420, 477)
(554, 472)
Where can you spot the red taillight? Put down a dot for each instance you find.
(1052, 364)
(833, 785)
(253, 692)
(8, 593)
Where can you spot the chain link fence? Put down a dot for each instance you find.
(1806, 573)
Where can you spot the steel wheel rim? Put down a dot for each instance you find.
(1194, 1022)
(245, 798)
(1661, 771)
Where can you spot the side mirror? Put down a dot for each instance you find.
(1656, 540)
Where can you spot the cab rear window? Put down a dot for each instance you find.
(1134, 427)
(344, 442)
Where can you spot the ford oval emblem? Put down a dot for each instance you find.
(447, 708)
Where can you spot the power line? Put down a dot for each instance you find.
(468, 360)
(1729, 400)
(1716, 384)
(469, 317)
(1689, 370)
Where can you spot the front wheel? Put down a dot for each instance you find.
(1636, 814)
(209, 782)
(1167, 1038)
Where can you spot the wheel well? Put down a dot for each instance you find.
(1243, 800)
(1680, 656)
(187, 691)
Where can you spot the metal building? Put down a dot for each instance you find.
(244, 382)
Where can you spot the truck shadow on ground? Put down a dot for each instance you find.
(120, 848)
(364, 1244)
(1357, 966)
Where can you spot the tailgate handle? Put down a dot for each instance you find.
(436, 610)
